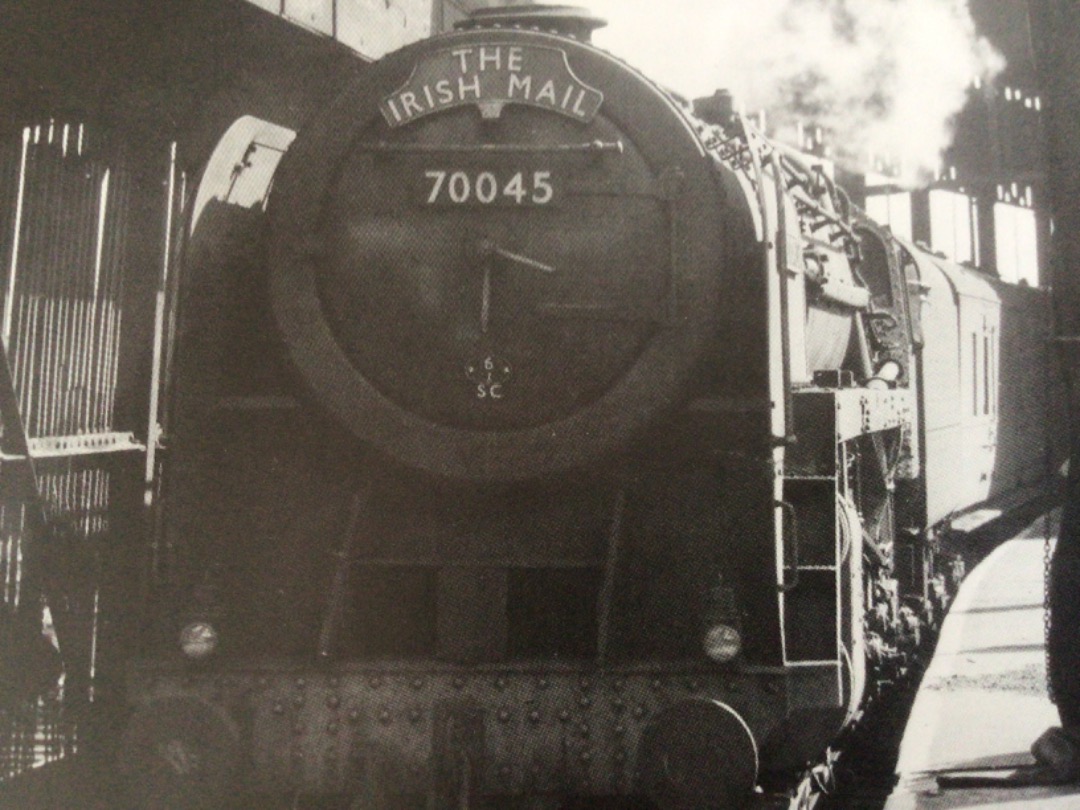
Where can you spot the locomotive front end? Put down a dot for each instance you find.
(470, 532)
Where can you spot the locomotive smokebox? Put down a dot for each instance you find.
(570, 21)
(489, 270)
(698, 753)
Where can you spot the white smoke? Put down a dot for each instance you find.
(883, 77)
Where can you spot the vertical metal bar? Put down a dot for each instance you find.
(112, 357)
(19, 553)
(781, 254)
(49, 258)
(607, 591)
(66, 394)
(80, 330)
(339, 587)
(153, 422)
(49, 187)
(9, 298)
(52, 267)
(43, 348)
(98, 316)
(63, 392)
(118, 280)
(87, 335)
(26, 390)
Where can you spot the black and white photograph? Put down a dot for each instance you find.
(513, 405)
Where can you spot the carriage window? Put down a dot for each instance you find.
(890, 207)
(1017, 243)
(952, 224)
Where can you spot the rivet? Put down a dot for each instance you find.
(586, 683)
(585, 702)
(564, 715)
(418, 683)
(620, 756)
(263, 680)
(301, 683)
(504, 716)
(500, 683)
(620, 730)
(415, 715)
(656, 683)
(354, 715)
(619, 684)
(333, 701)
(384, 717)
(586, 756)
(584, 729)
(619, 704)
(298, 700)
(695, 685)
(639, 711)
(278, 708)
(332, 727)
(534, 716)
(376, 682)
(335, 682)
(543, 683)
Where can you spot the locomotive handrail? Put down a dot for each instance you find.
(785, 309)
(592, 147)
(768, 241)
(792, 532)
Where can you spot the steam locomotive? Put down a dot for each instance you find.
(547, 440)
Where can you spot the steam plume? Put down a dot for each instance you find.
(884, 77)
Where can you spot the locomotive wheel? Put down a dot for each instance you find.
(497, 299)
(179, 754)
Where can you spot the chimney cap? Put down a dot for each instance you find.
(573, 21)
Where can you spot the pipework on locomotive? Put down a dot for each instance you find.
(546, 439)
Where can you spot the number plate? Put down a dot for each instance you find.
(476, 188)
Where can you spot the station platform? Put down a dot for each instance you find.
(983, 700)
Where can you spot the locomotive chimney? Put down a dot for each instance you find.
(569, 21)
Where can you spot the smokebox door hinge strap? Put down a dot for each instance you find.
(339, 588)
